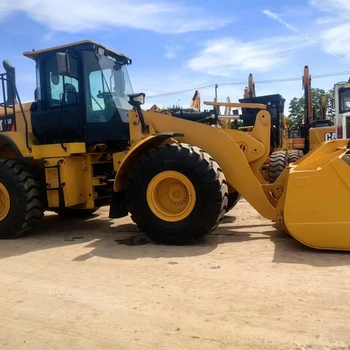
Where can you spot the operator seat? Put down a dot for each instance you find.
(71, 94)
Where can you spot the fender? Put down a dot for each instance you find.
(13, 146)
(124, 161)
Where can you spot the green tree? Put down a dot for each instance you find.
(296, 112)
(297, 107)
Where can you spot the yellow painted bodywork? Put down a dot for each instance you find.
(298, 143)
(80, 185)
(234, 105)
(237, 160)
(317, 192)
(317, 135)
(45, 151)
(73, 171)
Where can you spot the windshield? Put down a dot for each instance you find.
(344, 98)
(108, 88)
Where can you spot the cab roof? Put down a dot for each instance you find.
(33, 54)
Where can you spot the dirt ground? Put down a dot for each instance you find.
(74, 285)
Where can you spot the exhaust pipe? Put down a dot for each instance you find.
(10, 83)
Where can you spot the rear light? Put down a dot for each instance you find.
(340, 131)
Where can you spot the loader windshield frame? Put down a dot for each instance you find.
(344, 100)
(107, 86)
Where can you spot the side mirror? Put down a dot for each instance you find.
(136, 100)
(66, 65)
(332, 103)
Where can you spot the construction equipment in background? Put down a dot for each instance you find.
(192, 113)
(312, 131)
(288, 146)
(281, 152)
(249, 91)
(86, 142)
(196, 101)
(342, 109)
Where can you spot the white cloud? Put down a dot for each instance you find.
(223, 57)
(276, 17)
(337, 40)
(341, 7)
(335, 27)
(80, 15)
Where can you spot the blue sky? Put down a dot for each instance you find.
(177, 45)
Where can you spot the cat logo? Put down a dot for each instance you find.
(330, 136)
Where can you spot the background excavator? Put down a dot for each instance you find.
(313, 130)
(85, 142)
(288, 146)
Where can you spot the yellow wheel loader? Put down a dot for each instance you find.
(86, 142)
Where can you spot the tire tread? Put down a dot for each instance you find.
(212, 179)
(29, 205)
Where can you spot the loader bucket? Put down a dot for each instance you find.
(317, 197)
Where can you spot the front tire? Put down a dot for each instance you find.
(233, 199)
(278, 162)
(21, 204)
(177, 194)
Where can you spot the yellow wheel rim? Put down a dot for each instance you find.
(171, 196)
(4, 202)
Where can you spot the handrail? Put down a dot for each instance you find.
(5, 77)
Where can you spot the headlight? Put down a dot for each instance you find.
(137, 99)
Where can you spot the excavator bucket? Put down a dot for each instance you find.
(317, 193)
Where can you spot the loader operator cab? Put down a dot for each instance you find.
(81, 95)
(342, 109)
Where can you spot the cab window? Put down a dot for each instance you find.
(58, 86)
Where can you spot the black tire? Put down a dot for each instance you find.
(26, 202)
(75, 213)
(207, 179)
(293, 156)
(278, 162)
(233, 199)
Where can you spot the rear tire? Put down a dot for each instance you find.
(278, 162)
(21, 194)
(194, 177)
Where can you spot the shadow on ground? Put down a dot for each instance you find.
(103, 237)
